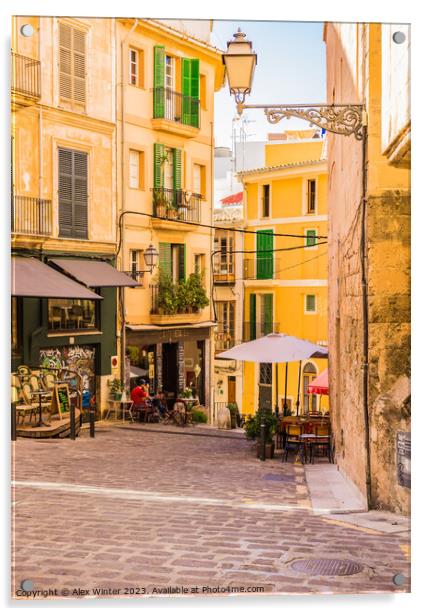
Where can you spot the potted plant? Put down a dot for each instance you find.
(167, 294)
(233, 409)
(116, 389)
(196, 292)
(252, 428)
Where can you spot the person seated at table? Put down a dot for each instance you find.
(139, 393)
(160, 402)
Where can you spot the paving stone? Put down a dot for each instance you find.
(182, 520)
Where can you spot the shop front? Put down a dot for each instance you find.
(172, 358)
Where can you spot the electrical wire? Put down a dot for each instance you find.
(197, 224)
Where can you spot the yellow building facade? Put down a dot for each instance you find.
(165, 110)
(285, 278)
(64, 188)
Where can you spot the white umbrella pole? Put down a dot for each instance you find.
(299, 387)
(285, 402)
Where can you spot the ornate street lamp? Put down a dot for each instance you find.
(240, 61)
(151, 258)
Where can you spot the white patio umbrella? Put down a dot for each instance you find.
(274, 349)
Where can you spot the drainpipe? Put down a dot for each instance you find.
(122, 290)
(364, 282)
(40, 123)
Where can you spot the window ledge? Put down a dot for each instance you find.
(74, 332)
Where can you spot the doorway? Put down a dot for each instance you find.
(170, 372)
(231, 389)
(265, 386)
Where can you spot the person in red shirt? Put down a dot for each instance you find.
(139, 394)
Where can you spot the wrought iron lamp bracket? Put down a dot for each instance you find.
(339, 119)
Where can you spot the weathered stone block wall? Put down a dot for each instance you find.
(389, 342)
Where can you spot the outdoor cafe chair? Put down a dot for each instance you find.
(22, 408)
(293, 441)
(321, 444)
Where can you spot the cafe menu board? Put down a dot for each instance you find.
(62, 398)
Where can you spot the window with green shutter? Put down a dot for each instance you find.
(158, 81)
(191, 92)
(264, 254)
(310, 237)
(73, 193)
(252, 319)
(267, 313)
(158, 156)
(165, 258)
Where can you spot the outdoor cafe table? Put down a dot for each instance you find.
(124, 405)
(41, 393)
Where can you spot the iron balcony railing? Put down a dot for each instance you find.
(31, 216)
(164, 302)
(261, 268)
(223, 268)
(176, 204)
(25, 75)
(253, 330)
(176, 107)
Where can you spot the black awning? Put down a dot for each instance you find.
(32, 278)
(93, 273)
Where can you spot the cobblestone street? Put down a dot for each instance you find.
(137, 508)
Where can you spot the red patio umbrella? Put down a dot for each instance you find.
(320, 385)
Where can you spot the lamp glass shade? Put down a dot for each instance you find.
(151, 256)
(240, 63)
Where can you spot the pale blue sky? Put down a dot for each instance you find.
(290, 69)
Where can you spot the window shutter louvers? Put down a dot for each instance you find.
(72, 70)
(195, 92)
(267, 317)
(177, 162)
(165, 258)
(158, 154)
(158, 81)
(252, 316)
(264, 256)
(73, 193)
(186, 90)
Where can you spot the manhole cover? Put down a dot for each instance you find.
(327, 566)
(272, 477)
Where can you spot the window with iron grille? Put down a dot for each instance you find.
(225, 312)
(265, 374)
(311, 196)
(72, 63)
(73, 193)
(135, 263)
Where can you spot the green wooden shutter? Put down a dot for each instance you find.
(182, 262)
(158, 81)
(195, 93)
(177, 177)
(267, 314)
(264, 255)
(165, 258)
(310, 237)
(158, 153)
(252, 328)
(186, 91)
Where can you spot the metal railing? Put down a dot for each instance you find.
(176, 107)
(31, 215)
(176, 204)
(164, 302)
(260, 268)
(25, 75)
(223, 268)
(252, 330)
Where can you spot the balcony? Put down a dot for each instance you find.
(261, 268)
(176, 205)
(25, 79)
(31, 216)
(175, 112)
(178, 302)
(223, 269)
(252, 330)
